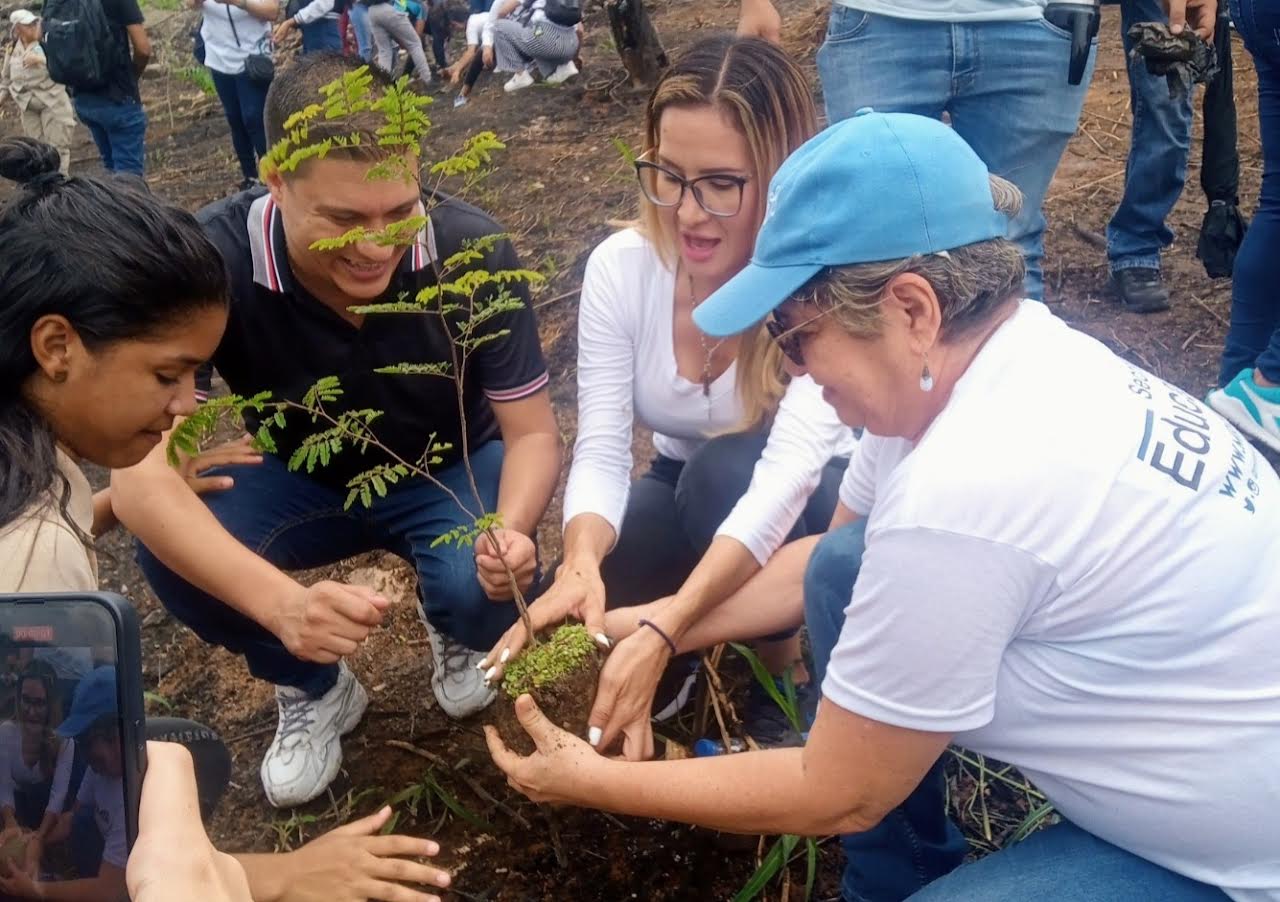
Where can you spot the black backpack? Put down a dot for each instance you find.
(80, 45)
(564, 12)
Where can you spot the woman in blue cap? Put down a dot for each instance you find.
(1063, 562)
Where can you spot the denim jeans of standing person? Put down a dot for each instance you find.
(1254, 337)
(358, 15)
(917, 842)
(118, 127)
(321, 35)
(1156, 168)
(296, 523)
(243, 100)
(1004, 85)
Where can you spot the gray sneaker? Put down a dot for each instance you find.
(458, 686)
(306, 753)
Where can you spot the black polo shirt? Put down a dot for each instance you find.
(281, 339)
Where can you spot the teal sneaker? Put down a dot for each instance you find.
(1254, 409)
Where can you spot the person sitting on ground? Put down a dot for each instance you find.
(318, 23)
(114, 114)
(524, 39)
(744, 459)
(1059, 560)
(391, 27)
(291, 325)
(36, 771)
(233, 30)
(95, 365)
(44, 105)
(1248, 392)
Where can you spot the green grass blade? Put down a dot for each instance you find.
(768, 869)
(811, 867)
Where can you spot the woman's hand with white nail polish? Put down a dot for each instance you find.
(577, 594)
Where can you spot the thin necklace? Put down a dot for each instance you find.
(708, 350)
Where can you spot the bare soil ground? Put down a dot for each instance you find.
(560, 182)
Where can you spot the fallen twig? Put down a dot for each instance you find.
(470, 782)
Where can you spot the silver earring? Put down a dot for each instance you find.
(926, 378)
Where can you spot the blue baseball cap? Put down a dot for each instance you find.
(95, 696)
(874, 187)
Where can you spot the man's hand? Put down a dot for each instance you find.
(557, 771)
(353, 863)
(521, 556)
(233, 453)
(282, 30)
(173, 857)
(759, 19)
(578, 592)
(327, 621)
(624, 697)
(1201, 15)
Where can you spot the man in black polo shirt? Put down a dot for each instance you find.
(114, 115)
(218, 567)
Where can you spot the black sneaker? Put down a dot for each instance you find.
(675, 689)
(766, 723)
(1141, 289)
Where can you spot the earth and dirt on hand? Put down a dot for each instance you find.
(561, 181)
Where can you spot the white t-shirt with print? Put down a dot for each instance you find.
(105, 795)
(1077, 570)
(953, 10)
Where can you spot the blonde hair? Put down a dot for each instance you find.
(972, 282)
(768, 99)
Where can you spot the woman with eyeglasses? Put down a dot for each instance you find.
(35, 767)
(1060, 561)
(745, 459)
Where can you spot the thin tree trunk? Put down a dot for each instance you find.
(637, 41)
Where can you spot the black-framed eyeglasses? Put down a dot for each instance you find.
(719, 195)
(788, 338)
(32, 701)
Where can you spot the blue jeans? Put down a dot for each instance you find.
(1003, 83)
(1066, 864)
(358, 16)
(119, 128)
(321, 35)
(243, 100)
(296, 523)
(916, 843)
(1254, 336)
(1156, 167)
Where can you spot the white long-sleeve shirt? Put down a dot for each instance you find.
(14, 771)
(627, 371)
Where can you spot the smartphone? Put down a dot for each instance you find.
(72, 742)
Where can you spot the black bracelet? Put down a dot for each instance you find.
(665, 638)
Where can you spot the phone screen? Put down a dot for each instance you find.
(64, 753)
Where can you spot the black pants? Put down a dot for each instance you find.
(674, 510)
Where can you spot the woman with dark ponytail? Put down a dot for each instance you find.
(110, 300)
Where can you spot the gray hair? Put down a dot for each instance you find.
(971, 282)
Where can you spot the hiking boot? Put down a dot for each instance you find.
(1141, 289)
(458, 685)
(765, 722)
(675, 688)
(1253, 409)
(306, 754)
(563, 72)
(519, 81)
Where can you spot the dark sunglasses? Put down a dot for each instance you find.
(787, 337)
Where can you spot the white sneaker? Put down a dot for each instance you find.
(519, 81)
(458, 685)
(306, 754)
(564, 72)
